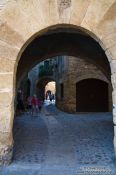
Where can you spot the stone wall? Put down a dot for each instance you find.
(77, 70)
(22, 21)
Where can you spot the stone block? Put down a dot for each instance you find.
(5, 119)
(6, 65)
(9, 36)
(115, 139)
(113, 78)
(107, 24)
(101, 7)
(8, 52)
(109, 40)
(113, 66)
(114, 114)
(64, 15)
(5, 138)
(6, 99)
(53, 12)
(109, 55)
(114, 97)
(27, 18)
(114, 131)
(114, 118)
(78, 11)
(112, 50)
(6, 81)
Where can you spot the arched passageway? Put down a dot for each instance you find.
(50, 87)
(41, 85)
(73, 42)
(92, 96)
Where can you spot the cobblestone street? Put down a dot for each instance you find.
(62, 144)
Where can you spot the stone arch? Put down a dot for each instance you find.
(15, 67)
(52, 30)
(40, 85)
(50, 87)
(21, 22)
(90, 77)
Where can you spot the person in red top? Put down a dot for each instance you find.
(34, 103)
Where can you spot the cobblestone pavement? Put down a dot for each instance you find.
(57, 143)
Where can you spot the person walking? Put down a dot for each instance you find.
(50, 96)
(20, 104)
(29, 105)
(34, 103)
(40, 103)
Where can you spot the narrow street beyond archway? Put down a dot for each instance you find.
(61, 143)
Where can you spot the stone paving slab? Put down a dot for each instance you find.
(62, 144)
